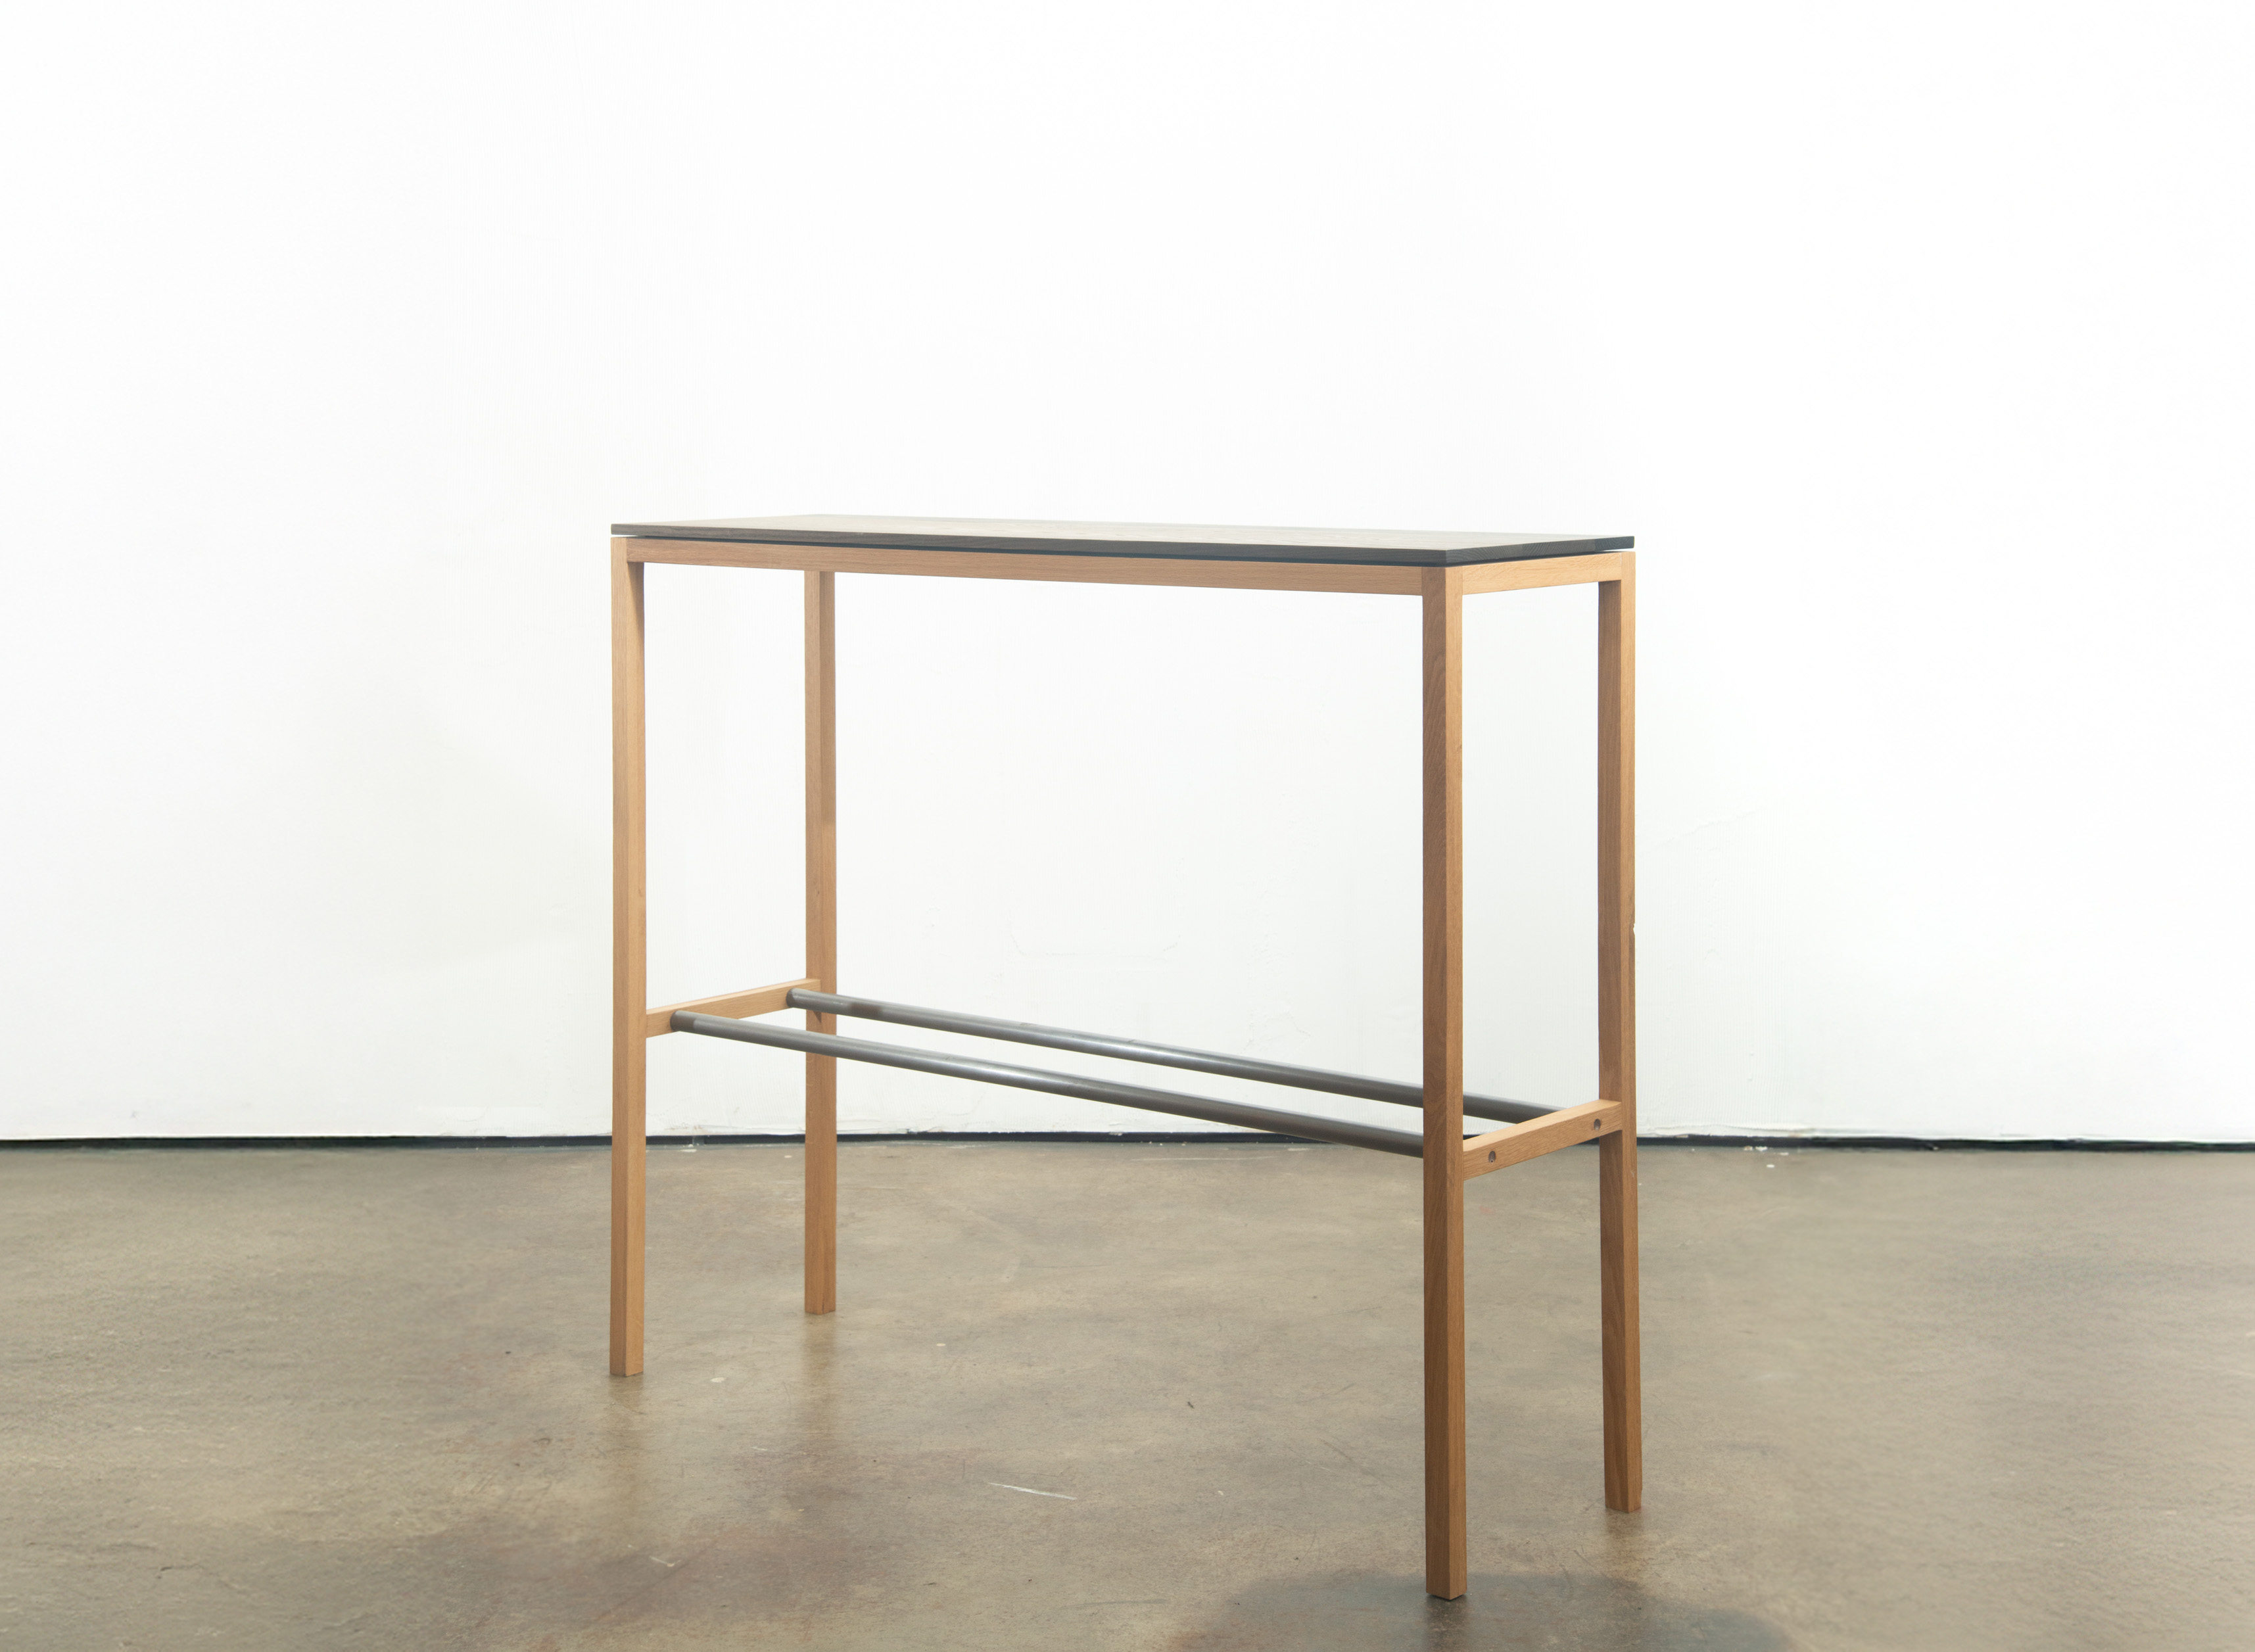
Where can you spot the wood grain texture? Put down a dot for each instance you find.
(753, 1001)
(1408, 548)
(1445, 1561)
(972, 565)
(1617, 1037)
(822, 937)
(630, 974)
(1535, 1137)
(1529, 576)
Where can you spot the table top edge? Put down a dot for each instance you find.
(1468, 549)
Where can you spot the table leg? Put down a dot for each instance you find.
(822, 938)
(1617, 1034)
(630, 968)
(1445, 1083)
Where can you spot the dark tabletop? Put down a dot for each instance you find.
(1367, 545)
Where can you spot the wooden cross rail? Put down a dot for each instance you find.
(1439, 570)
(753, 1001)
(1537, 1137)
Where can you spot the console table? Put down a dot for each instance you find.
(1439, 570)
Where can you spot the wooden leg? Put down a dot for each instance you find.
(1444, 1084)
(630, 970)
(1617, 1033)
(822, 938)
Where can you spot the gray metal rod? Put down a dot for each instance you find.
(1098, 1043)
(1071, 1084)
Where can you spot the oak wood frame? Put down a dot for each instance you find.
(630, 968)
(1450, 1158)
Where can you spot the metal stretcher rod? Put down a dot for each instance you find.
(1098, 1043)
(1071, 1084)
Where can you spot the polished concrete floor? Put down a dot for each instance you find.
(1118, 1395)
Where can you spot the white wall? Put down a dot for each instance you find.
(1911, 339)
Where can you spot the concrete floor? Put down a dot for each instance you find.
(305, 1400)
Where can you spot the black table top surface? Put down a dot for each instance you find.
(1385, 547)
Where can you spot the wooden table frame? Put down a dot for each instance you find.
(1449, 1159)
